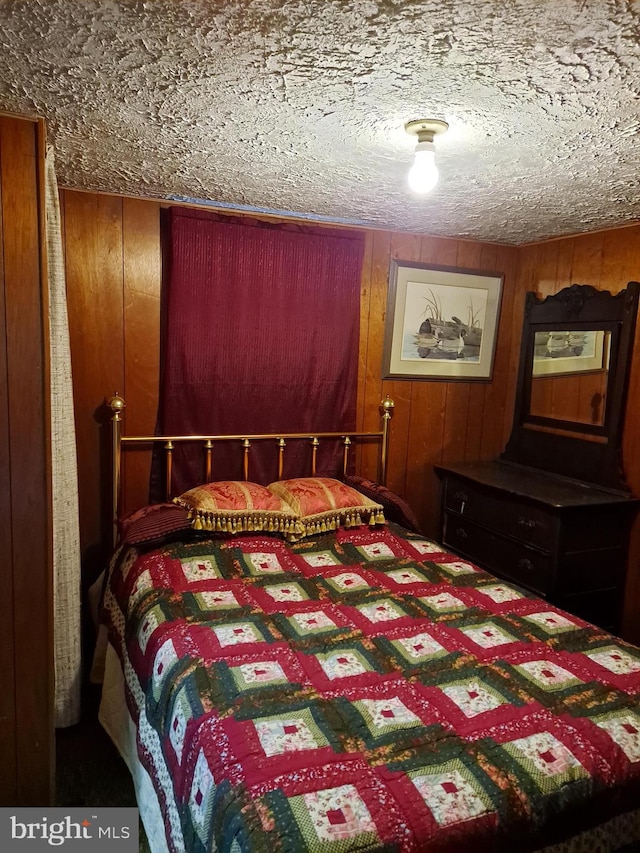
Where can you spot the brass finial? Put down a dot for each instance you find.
(116, 404)
(387, 406)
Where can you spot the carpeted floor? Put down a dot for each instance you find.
(89, 770)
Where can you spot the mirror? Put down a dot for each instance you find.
(570, 373)
(572, 383)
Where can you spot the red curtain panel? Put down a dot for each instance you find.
(260, 334)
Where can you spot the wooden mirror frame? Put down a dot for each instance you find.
(587, 452)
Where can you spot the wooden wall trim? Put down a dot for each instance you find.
(7, 661)
(24, 420)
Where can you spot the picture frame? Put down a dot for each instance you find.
(563, 353)
(441, 322)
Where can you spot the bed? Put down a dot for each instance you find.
(344, 684)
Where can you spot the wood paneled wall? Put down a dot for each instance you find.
(26, 608)
(114, 265)
(112, 260)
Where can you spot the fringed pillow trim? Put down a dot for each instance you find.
(241, 521)
(352, 516)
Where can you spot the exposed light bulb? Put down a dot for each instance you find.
(423, 175)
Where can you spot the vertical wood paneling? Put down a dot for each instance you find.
(25, 426)
(475, 418)
(455, 422)
(526, 281)
(403, 247)
(621, 258)
(587, 259)
(564, 263)
(373, 391)
(546, 269)
(141, 328)
(428, 406)
(482, 257)
(94, 269)
(7, 663)
(478, 390)
(25, 355)
(503, 387)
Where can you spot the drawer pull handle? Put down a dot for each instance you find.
(460, 496)
(529, 523)
(526, 564)
(461, 533)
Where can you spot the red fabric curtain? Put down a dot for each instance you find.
(260, 335)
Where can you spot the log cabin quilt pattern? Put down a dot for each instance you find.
(365, 690)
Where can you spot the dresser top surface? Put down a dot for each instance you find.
(535, 485)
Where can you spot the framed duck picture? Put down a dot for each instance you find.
(441, 322)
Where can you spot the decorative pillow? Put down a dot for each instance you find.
(322, 504)
(235, 506)
(395, 508)
(153, 523)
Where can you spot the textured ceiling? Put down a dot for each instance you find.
(299, 105)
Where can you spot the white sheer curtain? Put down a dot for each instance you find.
(66, 536)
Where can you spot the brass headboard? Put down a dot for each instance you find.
(118, 441)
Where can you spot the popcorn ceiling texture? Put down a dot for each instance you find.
(299, 105)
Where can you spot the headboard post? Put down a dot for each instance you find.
(169, 447)
(117, 405)
(386, 407)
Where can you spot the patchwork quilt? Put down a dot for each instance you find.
(364, 690)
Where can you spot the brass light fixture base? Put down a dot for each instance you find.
(426, 128)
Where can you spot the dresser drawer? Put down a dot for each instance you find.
(512, 560)
(502, 513)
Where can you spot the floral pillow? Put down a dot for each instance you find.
(322, 503)
(235, 506)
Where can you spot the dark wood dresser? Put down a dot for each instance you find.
(562, 539)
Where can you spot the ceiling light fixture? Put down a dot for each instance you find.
(423, 175)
